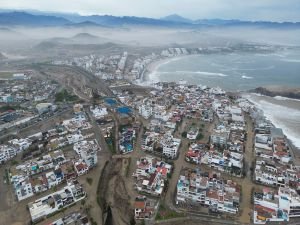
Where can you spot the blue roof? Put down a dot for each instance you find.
(110, 101)
(124, 110)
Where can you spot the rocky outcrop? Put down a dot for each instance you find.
(278, 91)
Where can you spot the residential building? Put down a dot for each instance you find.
(143, 208)
(211, 191)
(170, 146)
(53, 202)
(87, 150)
(192, 133)
(145, 111)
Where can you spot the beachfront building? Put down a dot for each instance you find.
(236, 114)
(267, 207)
(272, 206)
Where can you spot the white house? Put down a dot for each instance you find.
(145, 111)
(6, 153)
(192, 133)
(55, 201)
(87, 150)
(170, 145)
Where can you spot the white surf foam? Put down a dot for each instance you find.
(291, 60)
(202, 73)
(246, 77)
(281, 98)
(282, 117)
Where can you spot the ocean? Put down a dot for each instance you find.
(283, 112)
(242, 72)
(234, 71)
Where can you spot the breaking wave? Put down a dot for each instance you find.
(202, 73)
(291, 60)
(277, 114)
(285, 98)
(246, 77)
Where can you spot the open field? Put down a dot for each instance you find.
(6, 75)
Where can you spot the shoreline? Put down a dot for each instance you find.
(293, 147)
(153, 66)
(145, 79)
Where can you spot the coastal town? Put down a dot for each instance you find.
(149, 112)
(180, 150)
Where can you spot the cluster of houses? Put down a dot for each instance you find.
(272, 205)
(275, 169)
(37, 175)
(273, 159)
(161, 144)
(106, 67)
(209, 190)
(151, 175)
(227, 139)
(23, 88)
(45, 165)
(116, 67)
(171, 52)
(29, 91)
(50, 204)
(45, 172)
(196, 152)
(12, 148)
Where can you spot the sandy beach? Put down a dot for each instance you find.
(153, 66)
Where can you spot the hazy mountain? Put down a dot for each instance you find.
(75, 20)
(86, 38)
(237, 23)
(176, 18)
(84, 24)
(46, 45)
(9, 34)
(114, 21)
(80, 38)
(23, 18)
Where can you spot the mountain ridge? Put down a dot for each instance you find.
(23, 18)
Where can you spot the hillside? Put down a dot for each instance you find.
(26, 19)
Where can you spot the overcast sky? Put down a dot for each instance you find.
(273, 10)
